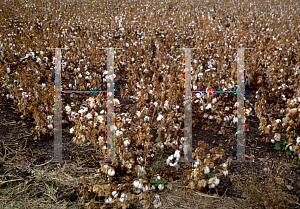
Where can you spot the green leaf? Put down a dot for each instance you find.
(152, 171)
(167, 171)
(158, 139)
(277, 146)
(170, 149)
(210, 175)
(288, 151)
(160, 165)
(160, 152)
(164, 160)
(147, 169)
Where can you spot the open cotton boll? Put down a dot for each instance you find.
(108, 200)
(161, 187)
(206, 170)
(146, 119)
(68, 109)
(145, 188)
(114, 194)
(298, 140)
(111, 172)
(160, 117)
(208, 106)
(166, 105)
(177, 154)
(119, 133)
(89, 116)
(126, 143)
(137, 184)
(217, 181)
(212, 186)
(123, 197)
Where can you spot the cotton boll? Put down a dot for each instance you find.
(68, 109)
(146, 119)
(126, 143)
(100, 118)
(129, 166)
(111, 172)
(145, 188)
(159, 117)
(72, 130)
(152, 187)
(217, 181)
(298, 140)
(166, 105)
(123, 197)
(170, 158)
(119, 133)
(108, 200)
(212, 186)
(161, 187)
(89, 116)
(114, 194)
(177, 154)
(92, 105)
(137, 184)
(225, 173)
(206, 170)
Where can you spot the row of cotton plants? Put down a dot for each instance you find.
(152, 35)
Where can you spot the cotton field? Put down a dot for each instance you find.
(149, 40)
